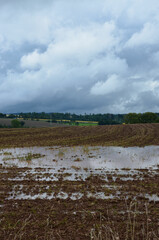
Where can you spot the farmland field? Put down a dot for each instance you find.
(99, 182)
(109, 135)
(30, 123)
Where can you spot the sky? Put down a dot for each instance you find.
(87, 56)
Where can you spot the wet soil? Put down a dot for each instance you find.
(79, 193)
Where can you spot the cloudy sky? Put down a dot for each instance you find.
(87, 56)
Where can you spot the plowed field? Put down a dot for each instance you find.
(119, 135)
(55, 186)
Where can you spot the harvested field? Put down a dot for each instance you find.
(30, 123)
(55, 185)
(116, 135)
(79, 193)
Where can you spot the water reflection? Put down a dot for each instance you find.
(56, 164)
(77, 157)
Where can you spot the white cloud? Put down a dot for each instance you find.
(80, 45)
(79, 55)
(112, 84)
(148, 35)
(30, 60)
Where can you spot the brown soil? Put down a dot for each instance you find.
(119, 135)
(129, 215)
(86, 218)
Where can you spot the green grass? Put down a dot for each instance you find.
(83, 124)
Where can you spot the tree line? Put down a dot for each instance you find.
(102, 119)
(147, 117)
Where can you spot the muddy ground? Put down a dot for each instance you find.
(116, 135)
(79, 193)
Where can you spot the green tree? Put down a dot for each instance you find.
(2, 115)
(148, 117)
(22, 123)
(15, 123)
(132, 118)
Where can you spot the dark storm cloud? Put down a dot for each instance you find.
(79, 56)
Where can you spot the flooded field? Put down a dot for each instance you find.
(79, 192)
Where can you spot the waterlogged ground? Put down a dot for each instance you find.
(79, 193)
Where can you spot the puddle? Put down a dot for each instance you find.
(109, 165)
(77, 158)
(76, 196)
(60, 195)
(74, 164)
(100, 195)
(152, 197)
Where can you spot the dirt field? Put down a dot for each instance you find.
(64, 188)
(30, 123)
(117, 135)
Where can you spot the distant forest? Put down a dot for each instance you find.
(102, 119)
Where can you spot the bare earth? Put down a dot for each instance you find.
(116, 135)
(72, 186)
